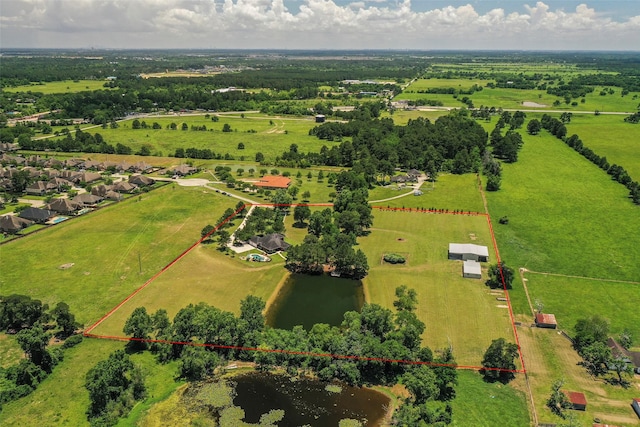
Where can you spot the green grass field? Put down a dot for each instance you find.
(610, 136)
(270, 139)
(514, 98)
(481, 404)
(107, 248)
(460, 312)
(67, 86)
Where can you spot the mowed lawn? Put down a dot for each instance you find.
(204, 275)
(612, 137)
(108, 249)
(458, 312)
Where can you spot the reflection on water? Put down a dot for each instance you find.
(306, 401)
(307, 300)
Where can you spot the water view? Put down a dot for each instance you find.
(307, 300)
(306, 401)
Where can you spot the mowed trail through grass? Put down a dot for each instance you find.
(458, 312)
(107, 248)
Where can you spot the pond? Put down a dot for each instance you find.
(306, 401)
(306, 300)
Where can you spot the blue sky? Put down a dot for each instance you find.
(322, 24)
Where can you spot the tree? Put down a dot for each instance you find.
(240, 171)
(241, 146)
(306, 196)
(596, 358)
(260, 158)
(33, 341)
(293, 191)
(197, 362)
(223, 238)
(407, 299)
(625, 339)
(301, 213)
(20, 311)
(139, 325)
(135, 124)
(590, 330)
(558, 402)
(621, 366)
(185, 126)
(64, 319)
(498, 272)
(499, 361)
(534, 127)
(226, 128)
(207, 231)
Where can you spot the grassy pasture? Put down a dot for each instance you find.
(107, 248)
(66, 86)
(566, 215)
(270, 139)
(481, 404)
(460, 312)
(449, 192)
(610, 136)
(513, 98)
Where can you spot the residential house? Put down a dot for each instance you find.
(64, 206)
(269, 243)
(12, 224)
(141, 180)
(38, 188)
(87, 200)
(124, 187)
(183, 170)
(37, 215)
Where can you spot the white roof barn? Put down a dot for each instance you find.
(471, 269)
(466, 251)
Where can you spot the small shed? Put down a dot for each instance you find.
(635, 404)
(546, 320)
(467, 251)
(471, 269)
(578, 400)
(320, 118)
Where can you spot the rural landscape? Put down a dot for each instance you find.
(323, 238)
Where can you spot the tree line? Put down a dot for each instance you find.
(617, 173)
(358, 344)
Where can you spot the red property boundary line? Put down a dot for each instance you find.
(87, 333)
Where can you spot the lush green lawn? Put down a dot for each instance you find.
(481, 404)
(67, 86)
(612, 137)
(107, 248)
(459, 312)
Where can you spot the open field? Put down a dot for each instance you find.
(572, 298)
(565, 215)
(610, 136)
(549, 357)
(204, 275)
(67, 86)
(270, 139)
(108, 247)
(513, 98)
(449, 192)
(463, 313)
(481, 404)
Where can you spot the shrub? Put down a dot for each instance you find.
(72, 341)
(394, 259)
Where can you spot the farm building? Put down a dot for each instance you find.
(272, 182)
(269, 243)
(578, 400)
(546, 320)
(471, 269)
(320, 118)
(467, 251)
(635, 404)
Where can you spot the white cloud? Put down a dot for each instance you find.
(317, 24)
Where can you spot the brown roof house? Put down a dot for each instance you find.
(64, 206)
(38, 188)
(87, 200)
(141, 180)
(546, 320)
(183, 170)
(86, 177)
(59, 184)
(269, 243)
(124, 187)
(12, 224)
